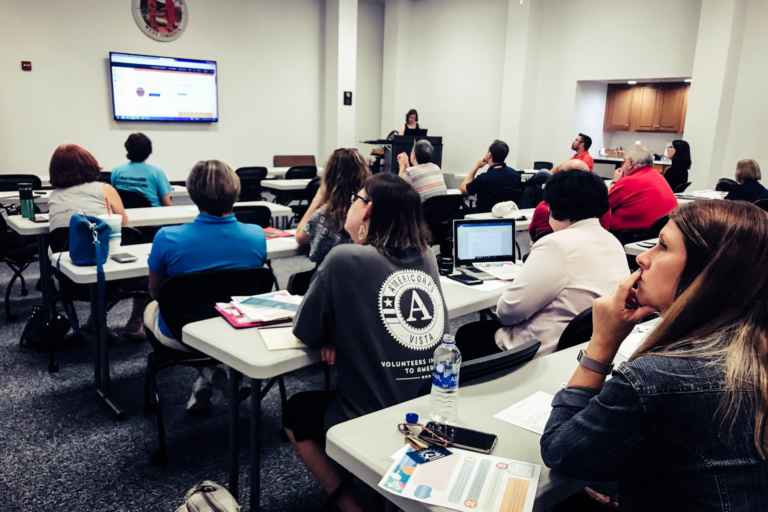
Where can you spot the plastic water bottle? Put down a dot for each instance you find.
(445, 381)
(27, 201)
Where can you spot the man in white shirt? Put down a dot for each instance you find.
(563, 274)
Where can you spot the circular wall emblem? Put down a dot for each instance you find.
(161, 20)
(411, 308)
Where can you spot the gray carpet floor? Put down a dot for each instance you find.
(60, 449)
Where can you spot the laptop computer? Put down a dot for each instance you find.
(481, 245)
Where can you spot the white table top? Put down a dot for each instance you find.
(141, 217)
(285, 185)
(114, 271)
(350, 445)
(637, 248)
(279, 172)
(520, 225)
(688, 196)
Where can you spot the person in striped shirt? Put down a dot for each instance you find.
(419, 170)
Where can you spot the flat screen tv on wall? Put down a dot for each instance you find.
(163, 89)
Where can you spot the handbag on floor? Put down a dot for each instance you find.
(41, 334)
(208, 496)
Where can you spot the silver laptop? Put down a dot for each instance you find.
(479, 244)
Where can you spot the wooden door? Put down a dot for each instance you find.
(644, 108)
(671, 107)
(618, 108)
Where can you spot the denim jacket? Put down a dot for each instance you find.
(655, 428)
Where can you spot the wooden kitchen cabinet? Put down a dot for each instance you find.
(656, 107)
(618, 108)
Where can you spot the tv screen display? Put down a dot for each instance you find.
(150, 88)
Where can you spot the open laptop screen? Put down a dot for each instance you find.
(483, 240)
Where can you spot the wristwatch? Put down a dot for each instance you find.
(593, 365)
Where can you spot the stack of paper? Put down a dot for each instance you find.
(260, 310)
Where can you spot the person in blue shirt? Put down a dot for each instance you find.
(139, 176)
(496, 183)
(214, 187)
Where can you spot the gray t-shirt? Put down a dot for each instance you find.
(385, 316)
(323, 235)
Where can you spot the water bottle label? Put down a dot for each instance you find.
(444, 377)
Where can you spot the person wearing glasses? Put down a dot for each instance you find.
(682, 424)
(375, 310)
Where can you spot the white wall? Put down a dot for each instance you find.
(590, 112)
(370, 64)
(269, 55)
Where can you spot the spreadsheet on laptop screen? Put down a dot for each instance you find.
(481, 241)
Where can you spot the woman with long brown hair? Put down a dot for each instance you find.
(322, 225)
(682, 425)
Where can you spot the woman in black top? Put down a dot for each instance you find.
(680, 154)
(749, 188)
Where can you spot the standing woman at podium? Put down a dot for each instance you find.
(411, 121)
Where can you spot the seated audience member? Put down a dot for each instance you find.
(677, 173)
(640, 195)
(681, 425)
(322, 226)
(213, 186)
(580, 145)
(423, 175)
(74, 175)
(563, 274)
(748, 179)
(354, 312)
(495, 182)
(539, 225)
(139, 176)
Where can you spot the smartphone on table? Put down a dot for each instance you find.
(461, 437)
(465, 279)
(123, 257)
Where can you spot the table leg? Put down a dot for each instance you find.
(255, 444)
(102, 377)
(235, 378)
(48, 302)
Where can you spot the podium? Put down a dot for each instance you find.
(404, 144)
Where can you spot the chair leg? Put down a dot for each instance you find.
(327, 370)
(160, 457)
(8, 316)
(283, 395)
(24, 291)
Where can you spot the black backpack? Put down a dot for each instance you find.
(40, 334)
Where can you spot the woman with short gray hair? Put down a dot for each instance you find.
(214, 188)
(749, 187)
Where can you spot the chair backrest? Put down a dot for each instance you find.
(250, 182)
(191, 297)
(301, 172)
(10, 182)
(533, 190)
(499, 195)
(291, 160)
(439, 213)
(105, 177)
(542, 164)
(762, 203)
(133, 199)
(498, 365)
(180, 183)
(637, 235)
(578, 330)
(680, 188)
(298, 283)
(726, 185)
(260, 215)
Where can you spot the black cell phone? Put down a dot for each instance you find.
(468, 439)
(465, 279)
(124, 257)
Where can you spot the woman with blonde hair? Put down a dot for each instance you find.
(322, 225)
(682, 424)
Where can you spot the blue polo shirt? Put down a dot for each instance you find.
(148, 180)
(493, 184)
(208, 243)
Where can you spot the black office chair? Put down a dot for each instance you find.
(180, 183)
(497, 365)
(298, 283)
(180, 303)
(302, 198)
(299, 172)
(250, 182)
(533, 190)
(542, 164)
(762, 203)
(439, 213)
(17, 253)
(679, 189)
(636, 235)
(726, 185)
(260, 215)
(133, 199)
(578, 330)
(105, 177)
(10, 182)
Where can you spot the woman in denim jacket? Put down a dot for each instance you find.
(682, 425)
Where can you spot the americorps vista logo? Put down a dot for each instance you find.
(161, 20)
(411, 308)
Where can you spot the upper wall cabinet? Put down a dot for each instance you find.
(658, 107)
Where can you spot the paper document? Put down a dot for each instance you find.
(465, 481)
(530, 413)
(280, 338)
(505, 271)
(632, 342)
(268, 307)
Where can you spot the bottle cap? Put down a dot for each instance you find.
(411, 418)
